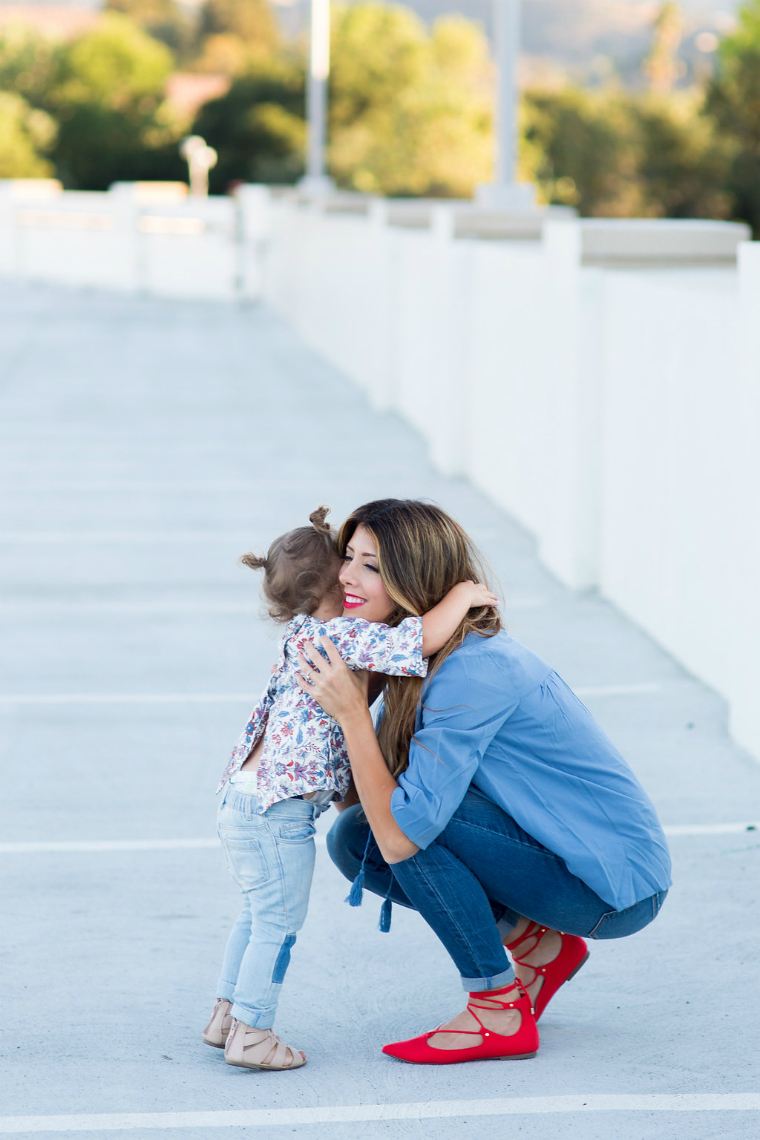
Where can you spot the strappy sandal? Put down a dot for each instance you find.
(218, 1029)
(492, 1046)
(249, 1048)
(572, 954)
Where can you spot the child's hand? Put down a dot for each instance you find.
(478, 594)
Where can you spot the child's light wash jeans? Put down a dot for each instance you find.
(271, 858)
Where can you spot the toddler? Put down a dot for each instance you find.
(287, 766)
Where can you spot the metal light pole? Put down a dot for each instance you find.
(505, 192)
(200, 159)
(316, 181)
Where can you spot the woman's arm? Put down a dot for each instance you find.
(343, 694)
(441, 623)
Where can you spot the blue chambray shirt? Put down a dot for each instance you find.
(495, 715)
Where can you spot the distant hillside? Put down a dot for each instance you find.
(570, 34)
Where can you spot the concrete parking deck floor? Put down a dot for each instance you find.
(145, 445)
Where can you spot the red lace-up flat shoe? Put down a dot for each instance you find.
(572, 954)
(492, 1046)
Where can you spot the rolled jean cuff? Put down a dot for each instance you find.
(497, 982)
(255, 1018)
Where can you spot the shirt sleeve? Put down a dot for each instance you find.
(395, 650)
(464, 706)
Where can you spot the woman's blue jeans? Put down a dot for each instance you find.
(473, 883)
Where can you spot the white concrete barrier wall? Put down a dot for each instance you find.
(127, 239)
(602, 383)
(598, 379)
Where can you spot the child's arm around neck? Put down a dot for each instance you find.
(441, 623)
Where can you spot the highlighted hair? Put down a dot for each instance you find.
(421, 554)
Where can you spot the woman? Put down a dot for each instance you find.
(498, 808)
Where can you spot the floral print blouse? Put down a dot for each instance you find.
(304, 749)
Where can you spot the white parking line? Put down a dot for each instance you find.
(223, 698)
(87, 846)
(88, 537)
(354, 1113)
(122, 698)
(170, 606)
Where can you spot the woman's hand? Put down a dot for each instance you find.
(343, 694)
(339, 690)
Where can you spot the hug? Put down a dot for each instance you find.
(484, 795)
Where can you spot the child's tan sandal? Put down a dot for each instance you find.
(218, 1028)
(249, 1048)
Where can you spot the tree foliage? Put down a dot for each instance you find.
(164, 20)
(622, 154)
(410, 109)
(107, 95)
(733, 101)
(258, 127)
(26, 137)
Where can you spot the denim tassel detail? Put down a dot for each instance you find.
(357, 887)
(354, 897)
(385, 916)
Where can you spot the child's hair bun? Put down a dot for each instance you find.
(317, 520)
(254, 561)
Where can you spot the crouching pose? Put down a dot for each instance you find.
(491, 801)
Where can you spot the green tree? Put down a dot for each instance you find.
(108, 98)
(733, 101)
(26, 137)
(662, 67)
(575, 146)
(258, 127)
(613, 153)
(250, 20)
(410, 110)
(164, 20)
(27, 63)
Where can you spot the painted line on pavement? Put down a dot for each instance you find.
(354, 1113)
(86, 537)
(24, 609)
(122, 698)
(88, 846)
(223, 698)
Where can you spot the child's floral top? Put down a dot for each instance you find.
(304, 749)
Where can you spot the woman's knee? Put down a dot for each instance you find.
(347, 840)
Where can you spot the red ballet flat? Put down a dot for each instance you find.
(572, 955)
(492, 1047)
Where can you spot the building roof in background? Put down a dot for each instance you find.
(187, 91)
(60, 21)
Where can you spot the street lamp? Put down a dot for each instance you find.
(316, 181)
(200, 158)
(505, 192)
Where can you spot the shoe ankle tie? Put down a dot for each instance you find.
(533, 931)
(494, 997)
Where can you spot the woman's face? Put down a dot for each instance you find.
(363, 589)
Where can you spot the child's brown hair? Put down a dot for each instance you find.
(300, 568)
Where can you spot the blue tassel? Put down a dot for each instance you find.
(385, 916)
(357, 890)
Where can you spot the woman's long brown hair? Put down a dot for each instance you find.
(422, 553)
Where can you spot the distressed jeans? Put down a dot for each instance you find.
(473, 883)
(271, 858)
